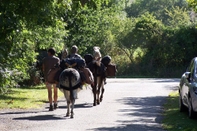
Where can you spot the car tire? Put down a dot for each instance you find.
(191, 112)
(182, 107)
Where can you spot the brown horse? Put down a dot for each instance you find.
(98, 71)
(98, 87)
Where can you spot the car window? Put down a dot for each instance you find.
(191, 66)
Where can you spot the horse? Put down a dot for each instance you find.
(98, 72)
(69, 82)
(98, 87)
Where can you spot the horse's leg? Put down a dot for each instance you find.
(68, 108)
(73, 95)
(72, 108)
(94, 94)
(94, 91)
(66, 95)
(98, 89)
(102, 90)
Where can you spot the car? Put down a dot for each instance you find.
(188, 89)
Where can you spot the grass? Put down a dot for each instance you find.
(25, 98)
(174, 120)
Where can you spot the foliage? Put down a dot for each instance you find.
(177, 17)
(90, 27)
(30, 26)
(27, 26)
(139, 7)
(165, 38)
(192, 4)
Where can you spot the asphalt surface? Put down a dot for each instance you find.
(128, 105)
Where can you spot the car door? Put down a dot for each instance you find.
(188, 80)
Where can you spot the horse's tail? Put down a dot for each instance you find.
(70, 86)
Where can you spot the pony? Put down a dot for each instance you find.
(69, 83)
(101, 68)
(98, 71)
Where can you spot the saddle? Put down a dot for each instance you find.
(75, 63)
(111, 70)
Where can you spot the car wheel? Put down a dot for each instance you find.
(191, 112)
(182, 107)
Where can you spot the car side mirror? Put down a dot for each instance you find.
(188, 76)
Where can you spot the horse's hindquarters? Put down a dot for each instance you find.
(70, 79)
(67, 94)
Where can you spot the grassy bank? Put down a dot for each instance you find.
(174, 120)
(25, 98)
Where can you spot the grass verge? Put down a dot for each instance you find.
(25, 98)
(174, 120)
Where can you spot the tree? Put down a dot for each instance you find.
(24, 28)
(156, 7)
(89, 26)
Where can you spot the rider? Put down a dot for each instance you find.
(97, 59)
(71, 60)
(64, 54)
(74, 53)
(97, 55)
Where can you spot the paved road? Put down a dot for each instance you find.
(128, 105)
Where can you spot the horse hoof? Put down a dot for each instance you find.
(71, 117)
(94, 104)
(67, 115)
(101, 100)
(98, 102)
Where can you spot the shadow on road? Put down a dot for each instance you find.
(22, 112)
(130, 127)
(143, 113)
(84, 105)
(143, 106)
(39, 118)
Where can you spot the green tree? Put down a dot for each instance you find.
(156, 7)
(26, 26)
(90, 27)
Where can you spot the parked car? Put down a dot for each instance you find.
(188, 89)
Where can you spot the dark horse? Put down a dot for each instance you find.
(99, 78)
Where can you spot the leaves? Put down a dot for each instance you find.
(27, 26)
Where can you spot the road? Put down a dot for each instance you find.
(128, 105)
